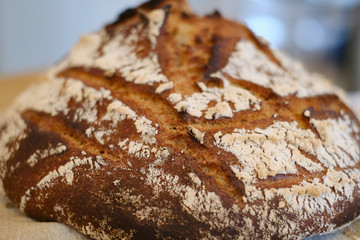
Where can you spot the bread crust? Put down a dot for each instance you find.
(167, 125)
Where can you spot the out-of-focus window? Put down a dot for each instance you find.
(34, 34)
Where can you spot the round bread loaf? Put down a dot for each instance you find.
(166, 125)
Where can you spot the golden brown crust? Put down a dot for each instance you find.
(167, 125)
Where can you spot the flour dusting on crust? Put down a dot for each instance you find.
(250, 64)
(39, 154)
(263, 153)
(118, 54)
(65, 172)
(197, 104)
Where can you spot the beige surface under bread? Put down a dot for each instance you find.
(15, 225)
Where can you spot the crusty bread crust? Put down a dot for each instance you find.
(166, 125)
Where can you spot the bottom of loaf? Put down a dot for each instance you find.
(17, 226)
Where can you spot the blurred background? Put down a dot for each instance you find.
(323, 34)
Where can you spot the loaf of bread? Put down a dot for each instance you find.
(167, 125)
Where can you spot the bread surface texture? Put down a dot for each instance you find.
(167, 125)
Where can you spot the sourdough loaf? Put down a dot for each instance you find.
(166, 125)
